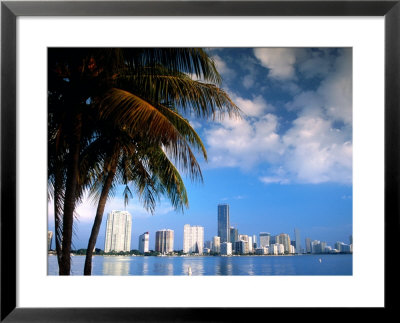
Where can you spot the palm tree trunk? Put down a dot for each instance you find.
(57, 225)
(70, 197)
(99, 216)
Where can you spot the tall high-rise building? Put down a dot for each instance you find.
(242, 247)
(165, 241)
(265, 239)
(308, 245)
(144, 242)
(226, 248)
(233, 235)
(316, 246)
(193, 239)
(284, 239)
(223, 222)
(254, 241)
(49, 238)
(118, 231)
(297, 239)
(216, 244)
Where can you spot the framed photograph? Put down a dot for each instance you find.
(307, 149)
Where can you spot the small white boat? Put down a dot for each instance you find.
(320, 260)
(190, 271)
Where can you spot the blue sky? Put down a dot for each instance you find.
(287, 163)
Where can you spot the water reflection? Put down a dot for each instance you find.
(283, 268)
(224, 266)
(117, 266)
(163, 267)
(257, 265)
(196, 266)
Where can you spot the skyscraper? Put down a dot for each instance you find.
(193, 239)
(165, 241)
(216, 244)
(223, 222)
(144, 242)
(118, 231)
(265, 239)
(254, 241)
(233, 236)
(297, 239)
(284, 239)
(308, 245)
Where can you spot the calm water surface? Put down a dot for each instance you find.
(244, 265)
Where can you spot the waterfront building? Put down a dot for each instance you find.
(234, 236)
(164, 241)
(254, 241)
(118, 231)
(273, 249)
(223, 222)
(250, 242)
(276, 249)
(206, 250)
(308, 245)
(49, 239)
(242, 247)
(262, 251)
(193, 239)
(292, 249)
(297, 239)
(342, 247)
(216, 244)
(316, 246)
(264, 239)
(144, 242)
(323, 246)
(208, 244)
(226, 249)
(284, 239)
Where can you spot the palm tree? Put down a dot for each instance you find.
(143, 89)
(135, 163)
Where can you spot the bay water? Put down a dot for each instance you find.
(324, 264)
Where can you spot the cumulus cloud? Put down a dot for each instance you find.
(316, 152)
(279, 61)
(334, 95)
(243, 142)
(316, 147)
(254, 107)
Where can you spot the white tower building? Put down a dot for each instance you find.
(193, 239)
(118, 231)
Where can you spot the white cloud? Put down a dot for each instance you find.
(244, 142)
(316, 152)
(333, 98)
(317, 146)
(254, 107)
(274, 180)
(279, 61)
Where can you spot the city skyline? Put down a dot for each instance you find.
(287, 163)
(119, 224)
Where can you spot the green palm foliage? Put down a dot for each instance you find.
(115, 117)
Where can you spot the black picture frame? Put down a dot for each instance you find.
(10, 10)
